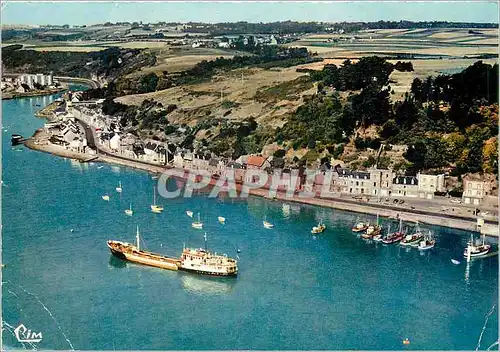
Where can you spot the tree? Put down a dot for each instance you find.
(490, 156)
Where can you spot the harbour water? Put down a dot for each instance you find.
(294, 291)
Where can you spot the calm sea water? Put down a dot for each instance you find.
(294, 291)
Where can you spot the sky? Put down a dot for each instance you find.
(79, 13)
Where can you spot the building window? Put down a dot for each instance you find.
(374, 184)
(357, 183)
(362, 190)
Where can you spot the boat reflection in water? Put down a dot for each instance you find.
(204, 285)
(117, 263)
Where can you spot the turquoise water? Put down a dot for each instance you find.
(294, 291)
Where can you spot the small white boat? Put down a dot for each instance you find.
(221, 219)
(189, 213)
(154, 207)
(100, 167)
(197, 224)
(267, 224)
(454, 261)
(119, 188)
(129, 211)
(105, 197)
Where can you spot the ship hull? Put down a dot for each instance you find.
(208, 273)
(146, 258)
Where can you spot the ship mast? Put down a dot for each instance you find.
(137, 238)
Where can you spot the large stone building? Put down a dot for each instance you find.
(405, 186)
(429, 184)
(476, 188)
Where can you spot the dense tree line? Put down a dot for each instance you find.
(109, 63)
(447, 121)
(371, 70)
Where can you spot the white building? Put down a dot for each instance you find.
(114, 142)
(428, 184)
(30, 80)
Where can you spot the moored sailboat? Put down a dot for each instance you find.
(105, 197)
(129, 211)
(119, 188)
(221, 219)
(189, 213)
(155, 208)
(197, 224)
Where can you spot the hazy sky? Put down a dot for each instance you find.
(99, 12)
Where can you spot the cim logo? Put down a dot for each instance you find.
(23, 334)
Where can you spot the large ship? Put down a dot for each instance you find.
(199, 261)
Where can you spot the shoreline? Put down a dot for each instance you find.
(16, 95)
(428, 217)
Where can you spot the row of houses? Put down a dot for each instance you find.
(69, 134)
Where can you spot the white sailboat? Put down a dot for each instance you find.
(267, 224)
(221, 219)
(105, 197)
(119, 188)
(155, 208)
(129, 211)
(189, 213)
(197, 224)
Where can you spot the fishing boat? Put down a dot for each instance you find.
(155, 208)
(267, 224)
(413, 239)
(197, 224)
(360, 226)
(319, 228)
(199, 261)
(428, 242)
(119, 188)
(129, 211)
(476, 249)
(395, 236)
(189, 213)
(105, 197)
(372, 231)
(221, 219)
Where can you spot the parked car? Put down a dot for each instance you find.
(456, 201)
